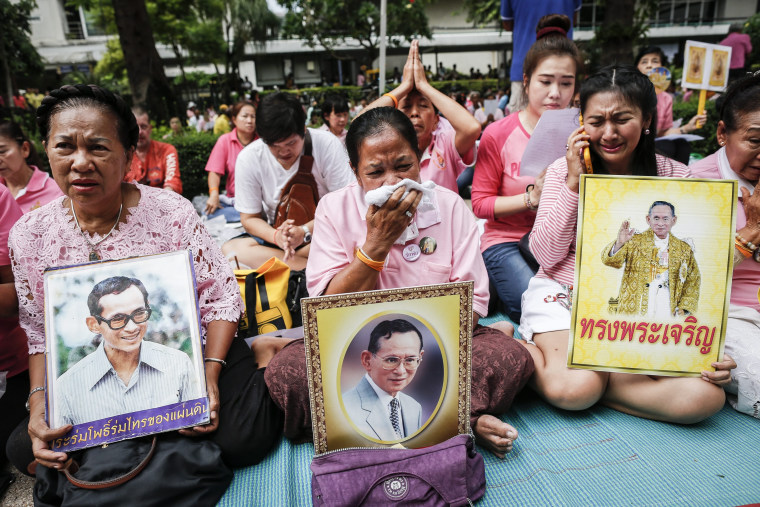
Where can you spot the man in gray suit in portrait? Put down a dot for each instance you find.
(376, 404)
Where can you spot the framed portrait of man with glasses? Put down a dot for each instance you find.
(124, 353)
(389, 367)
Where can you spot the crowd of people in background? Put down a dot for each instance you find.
(399, 140)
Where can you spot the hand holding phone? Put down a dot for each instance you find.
(586, 152)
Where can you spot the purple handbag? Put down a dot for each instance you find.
(449, 473)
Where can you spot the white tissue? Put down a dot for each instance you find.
(379, 196)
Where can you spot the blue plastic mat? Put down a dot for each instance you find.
(595, 457)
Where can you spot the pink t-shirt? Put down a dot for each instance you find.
(40, 190)
(340, 227)
(223, 157)
(552, 240)
(497, 173)
(441, 162)
(664, 111)
(342, 135)
(13, 351)
(741, 47)
(746, 278)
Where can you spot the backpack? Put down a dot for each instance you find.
(299, 197)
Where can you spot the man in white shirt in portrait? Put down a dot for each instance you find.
(125, 373)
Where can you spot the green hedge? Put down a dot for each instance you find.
(193, 150)
(687, 110)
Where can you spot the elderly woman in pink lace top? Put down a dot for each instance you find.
(90, 136)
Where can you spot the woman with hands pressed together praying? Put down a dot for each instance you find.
(445, 151)
(618, 104)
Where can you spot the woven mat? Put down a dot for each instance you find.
(594, 457)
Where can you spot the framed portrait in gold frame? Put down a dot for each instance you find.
(389, 367)
(654, 259)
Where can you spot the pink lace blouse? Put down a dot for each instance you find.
(161, 222)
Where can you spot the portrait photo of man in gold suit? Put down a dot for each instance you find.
(661, 277)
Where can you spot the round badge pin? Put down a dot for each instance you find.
(428, 245)
(411, 253)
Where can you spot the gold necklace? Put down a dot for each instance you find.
(93, 254)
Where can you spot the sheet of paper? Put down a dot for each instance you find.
(685, 137)
(490, 106)
(547, 143)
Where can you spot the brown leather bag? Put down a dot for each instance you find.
(299, 196)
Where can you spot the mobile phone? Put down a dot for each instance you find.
(586, 153)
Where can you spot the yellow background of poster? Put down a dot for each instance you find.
(719, 68)
(695, 65)
(338, 326)
(705, 216)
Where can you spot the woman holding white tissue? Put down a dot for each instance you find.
(418, 236)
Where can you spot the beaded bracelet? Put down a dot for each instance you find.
(526, 201)
(747, 244)
(362, 256)
(741, 248)
(393, 98)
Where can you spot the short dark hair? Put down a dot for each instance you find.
(374, 122)
(649, 50)
(637, 90)
(385, 329)
(662, 203)
(113, 285)
(279, 116)
(334, 103)
(741, 98)
(81, 95)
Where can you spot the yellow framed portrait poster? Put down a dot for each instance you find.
(706, 66)
(653, 274)
(389, 367)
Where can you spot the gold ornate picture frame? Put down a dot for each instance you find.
(434, 396)
(649, 307)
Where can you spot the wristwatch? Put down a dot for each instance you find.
(306, 234)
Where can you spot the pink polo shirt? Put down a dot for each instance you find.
(223, 157)
(746, 278)
(441, 162)
(340, 227)
(497, 173)
(664, 111)
(13, 349)
(40, 190)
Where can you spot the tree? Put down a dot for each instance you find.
(145, 69)
(624, 25)
(17, 54)
(354, 23)
(482, 12)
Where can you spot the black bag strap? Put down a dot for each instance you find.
(250, 303)
(72, 467)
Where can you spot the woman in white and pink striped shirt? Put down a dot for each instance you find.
(618, 104)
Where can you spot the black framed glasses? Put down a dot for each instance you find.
(411, 363)
(120, 320)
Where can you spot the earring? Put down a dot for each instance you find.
(646, 132)
(721, 143)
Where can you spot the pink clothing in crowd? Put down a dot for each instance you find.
(342, 135)
(552, 240)
(497, 173)
(340, 227)
(747, 274)
(223, 157)
(441, 162)
(161, 222)
(40, 190)
(664, 111)
(741, 47)
(12, 338)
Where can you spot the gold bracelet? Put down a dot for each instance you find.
(393, 98)
(741, 248)
(363, 257)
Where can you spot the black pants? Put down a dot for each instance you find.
(250, 424)
(13, 407)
